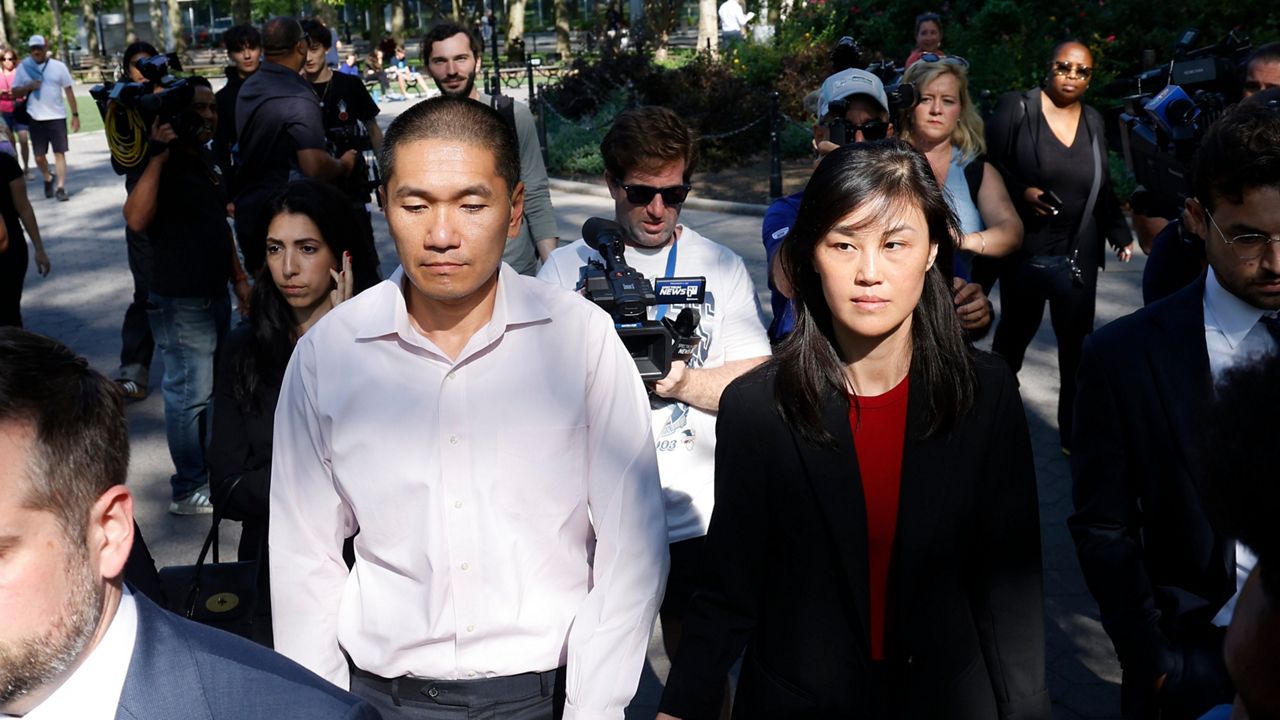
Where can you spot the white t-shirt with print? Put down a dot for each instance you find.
(46, 103)
(732, 328)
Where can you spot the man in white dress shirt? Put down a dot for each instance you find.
(488, 436)
(648, 155)
(1166, 578)
(75, 641)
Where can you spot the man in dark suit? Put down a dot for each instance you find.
(1164, 577)
(75, 641)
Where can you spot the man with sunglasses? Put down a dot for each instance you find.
(648, 156)
(1164, 576)
(851, 106)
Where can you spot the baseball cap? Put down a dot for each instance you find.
(848, 83)
(36, 41)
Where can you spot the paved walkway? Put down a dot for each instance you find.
(82, 303)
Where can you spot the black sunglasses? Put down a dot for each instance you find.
(945, 59)
(1063, 69)
(643, 194)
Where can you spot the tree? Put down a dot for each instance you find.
(179, 42)
(157, 23)
(4, 29)
(660, 18)
(11, 20)
(708, 28)
(377, 23)
(241, 12)
(130, 28)
(515, 23)
(90, 11)
(397, 21)
(56, 44)
(562, 30)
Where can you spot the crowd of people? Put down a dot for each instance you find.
(844, 500)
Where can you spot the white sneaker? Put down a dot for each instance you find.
(197, 503)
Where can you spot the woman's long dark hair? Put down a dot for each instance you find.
(131, 53)
(886, 175)
(275, 330)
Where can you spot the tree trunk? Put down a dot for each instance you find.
(378, 24)
(562, 30)
(5, 24)
(515, 22)
(241, 12)
(708, 27)
(11, 21)
(397, 21)
(87, 7)
(130, 27)
(156, 10)
(328, 14)
(179, 42)
(56, 40)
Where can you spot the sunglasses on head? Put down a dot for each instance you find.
(643, 194)
(945, 59)
(1064, 69)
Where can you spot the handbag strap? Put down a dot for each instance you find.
(1093, 193)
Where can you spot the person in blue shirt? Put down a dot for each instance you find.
(852, 106)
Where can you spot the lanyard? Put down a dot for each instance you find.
(661, 312)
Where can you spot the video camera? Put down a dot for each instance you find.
(129, 108)
(902, 96)
(627, 295)
(1168, 109)
(365, 176)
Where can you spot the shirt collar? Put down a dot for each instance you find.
(516, 304)
(1226, 313)
(93, 690)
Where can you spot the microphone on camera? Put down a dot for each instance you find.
(596, 231)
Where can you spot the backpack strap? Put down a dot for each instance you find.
(506, 107)
(973, 176)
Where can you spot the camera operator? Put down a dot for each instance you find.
(349, 114)
(648, 156)
(1163, 575)
(180, 202)
(244, 50)
(853, 104)
(281, 131)
(452, 56)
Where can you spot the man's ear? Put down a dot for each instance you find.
(1197, 221)
(110, 531)
(517, 210)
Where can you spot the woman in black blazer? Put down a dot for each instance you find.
(316, 258)
(875, 546)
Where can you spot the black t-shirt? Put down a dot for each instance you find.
(277, 115)
(345, 103)
(1067, 171)
(10, 171)
(190, 234)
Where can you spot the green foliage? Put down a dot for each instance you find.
(573, 146)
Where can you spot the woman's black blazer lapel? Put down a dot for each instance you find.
(837, 483)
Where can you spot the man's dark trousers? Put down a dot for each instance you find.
(136, 343)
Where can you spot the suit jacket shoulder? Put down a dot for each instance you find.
(1161, 327)
(181, 669)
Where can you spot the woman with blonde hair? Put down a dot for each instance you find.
(945, 126)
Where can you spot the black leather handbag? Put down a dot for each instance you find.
(223, 595)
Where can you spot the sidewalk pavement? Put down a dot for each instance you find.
(82, 303)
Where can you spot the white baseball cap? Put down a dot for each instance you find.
(36, 41)
(848, 83)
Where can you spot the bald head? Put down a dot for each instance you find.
(281, 36)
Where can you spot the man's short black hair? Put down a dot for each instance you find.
(240, 37)
(316, 32)
(199, 81)
(1268, 53)
(1240, 151)
(444, 31)
(81, 438)
(450, 118)
(281, 35)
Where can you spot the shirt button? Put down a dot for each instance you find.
(471, 628)
(457, 504)
(465, 566)
(471, 674)
(452, 375)
(453, 439)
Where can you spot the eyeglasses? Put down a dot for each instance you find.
(643, 194)
(1065, 69)
(1246, 246)
(10, 58)
(945, 59)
